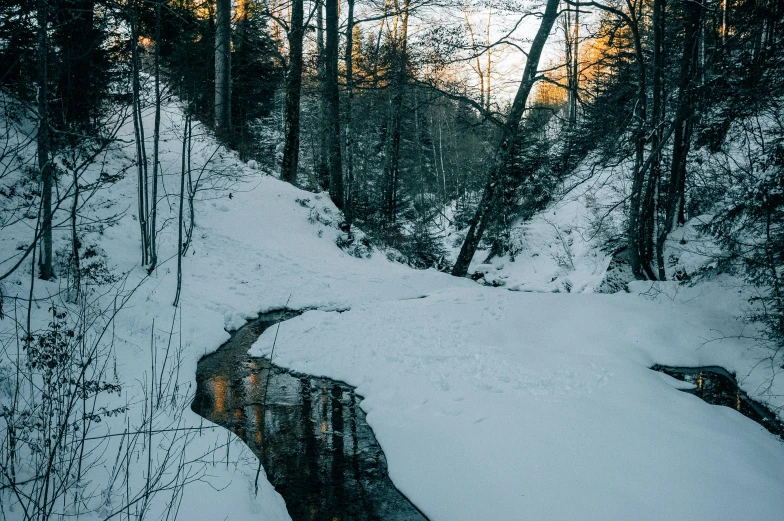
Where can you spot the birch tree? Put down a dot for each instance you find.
(223, 67)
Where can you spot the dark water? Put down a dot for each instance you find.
(309, 433)
(718, 386)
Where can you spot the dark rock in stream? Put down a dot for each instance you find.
(309, 433)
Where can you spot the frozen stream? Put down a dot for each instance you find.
(309, 433)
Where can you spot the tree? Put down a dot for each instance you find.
(684, 124)
(332, 98)
(293, 94)
(223, 67)
(143, 198)
(348, 209)
(648, 211)
(484, 212)
(399, 47)
(43, 140)
(156, 139)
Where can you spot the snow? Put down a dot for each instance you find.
(494, 405)
(489, 404)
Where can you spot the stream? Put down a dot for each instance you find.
(718, 386)
(308, 432)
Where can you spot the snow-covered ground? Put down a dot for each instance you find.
(489, 404)
(500, 405)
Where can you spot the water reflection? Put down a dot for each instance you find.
(717, 386)
(309, 433)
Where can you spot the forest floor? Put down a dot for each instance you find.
(488, 403)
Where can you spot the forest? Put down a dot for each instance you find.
(420, 214)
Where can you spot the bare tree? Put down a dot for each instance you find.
(156, 138)
(399, 40)
(503, 151)
(684, 120)
(184, 170)
(648, 211)
(322, 173)
(138, 133)
(293, 94)
(348, 210)
(44, 161)
(332, 98)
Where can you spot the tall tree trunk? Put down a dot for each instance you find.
(638, 174)
(322, 171)
(75, 243)
(156, 139)
(504, 150)
(682, 124)
(180, 219)
(568, 48)
(191, 189)
(348, 210)
(138, 131)
(685, 109)
(575, 85)
(293, 94)
(648, 210)
(332, 98)
(489, 58)
(223, 67)
(44, 161)
(399, 81)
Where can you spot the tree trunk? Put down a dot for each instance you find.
(682, 124)
(223, 67)
(638, 174)
(575, 84)
(568, 48)
(183, 171)
(399, 81)
(648, 210)
(44, 162)
(348, 210)
(322, 172)
(332, 98)
(191, 189)
(489, 58)
(504, 150)
(138, 131)
(682, 128)
(156, 139)
(77, 276)
(293, 94)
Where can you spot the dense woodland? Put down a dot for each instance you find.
(399, 112)
(401, 126)
(416, 117)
